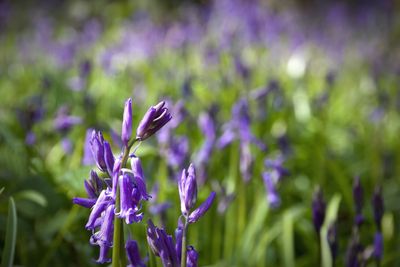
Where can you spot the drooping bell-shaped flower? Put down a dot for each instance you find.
(138, 175)
(132, 252)
(202, 209)
(318, 209)
(154, 119)
(191, 257)
(104, 237)
(97, 147)
(127, 122)
(102, 202)
(187, 190)
(108, 157)
(129, 201)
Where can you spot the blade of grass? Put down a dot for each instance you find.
(11, 235)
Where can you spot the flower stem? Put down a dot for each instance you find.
(118, 257)
(184, 249)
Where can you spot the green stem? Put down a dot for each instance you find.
(118, 257)
(183, 256)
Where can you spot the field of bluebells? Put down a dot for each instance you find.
(226, 133)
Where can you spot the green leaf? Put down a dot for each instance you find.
(331, 214)
(1, 190)
(33, 196)
(11, 235)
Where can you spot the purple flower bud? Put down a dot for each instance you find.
(115, 175)
(358, 200)
(127, 122)
(162, 245)
(202, 209)
(187, 190)
(139, 177)
(192, 257)
(128, 206)
(97, 146)
(378, 206)
(108, 157)
(132, 251)
(101, 204)
(95, 182)
(178, 238)
(318, 209)
(154, 119)
(84, 202)
(90, 190)
(378, 246)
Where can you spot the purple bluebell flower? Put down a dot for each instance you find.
(187, 190)
(138, 175)
(358, 200)
(30, 138)
(104, 237)
(97, 147)
(162, 245)
(192, 257)
(318, 209)
(378, 246)
(102, 202)
(202, 209)
(246, 161)
(178, 238)
(108, 157)
(276, 168)
(93, 188)
(155, 118)
(127, 122)
(132, 251)
(129, 197)
(63, 122)
(378, 207)
(273, 197)
(67, 145)
(87, 158)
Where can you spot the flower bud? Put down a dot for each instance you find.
(202, 209)
(127, 122)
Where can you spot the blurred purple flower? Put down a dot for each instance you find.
(63, 122)
(378, 207)
(273, 197)
(358, 200)
(87, 158)
(132, 251)
(318, 210)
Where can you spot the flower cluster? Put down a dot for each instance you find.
(175, 253)
(119, 196)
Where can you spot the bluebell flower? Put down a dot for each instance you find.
(132, 251)
(127, 122)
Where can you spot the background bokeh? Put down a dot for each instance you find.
(317, 80)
